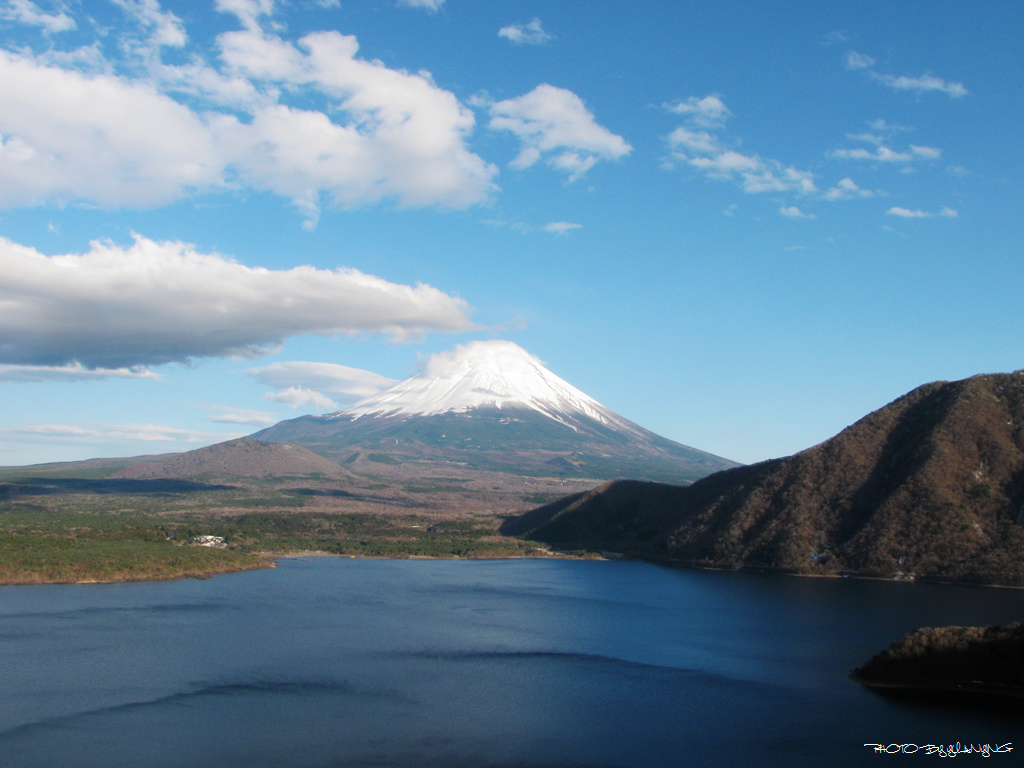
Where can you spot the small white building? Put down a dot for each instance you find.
(209, 541)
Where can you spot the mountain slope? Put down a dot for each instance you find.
(492, 406)
(236, 458)
(931, 485)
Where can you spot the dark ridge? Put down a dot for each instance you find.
(38, 486)
(929, 486)
(956, 664)
(237, 458)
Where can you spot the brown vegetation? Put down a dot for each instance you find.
(931, 485)
(238, 459)
(138, 519)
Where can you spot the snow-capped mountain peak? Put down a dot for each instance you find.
(496, 373)
(491, 407)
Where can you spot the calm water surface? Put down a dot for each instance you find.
(476, 664)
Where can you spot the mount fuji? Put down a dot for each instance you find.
(490, 405)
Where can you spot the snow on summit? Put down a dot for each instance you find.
(483, 373)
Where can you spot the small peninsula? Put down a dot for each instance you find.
(960, 661)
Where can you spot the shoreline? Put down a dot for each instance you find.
(268, 560)
(807, 575)
(969, 690)
(265, 560)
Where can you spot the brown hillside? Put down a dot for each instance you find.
(931, 485)
(238, 458)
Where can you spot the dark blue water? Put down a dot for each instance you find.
(338, 662)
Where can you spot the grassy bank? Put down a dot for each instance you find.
(65, 546)
(82, 523)
(41, 559)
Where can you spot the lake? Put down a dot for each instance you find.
(473, 664)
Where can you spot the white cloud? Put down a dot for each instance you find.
(697, 142)
(561, 227)
(556, 122)
(792, 212)
(526, 34)
(880, 155)
(70, 372)
(154, 303)
(922, 84)
(869, 138)
(753, 174)
(516, 226)
(928, 153)
(226, 414)
(837, 36)
(318, 384)
(116, 140)
(699, 145)
(162, 27)
(103, 433)
(27, 12)
(428, 5)
(69, 137)
(847, 189)
(405, 138)
(884, 126)
(301, 397)
(576, 164)
(248, 12)
(907, 213)
(881, 137)
(856, 60)
(709, 111)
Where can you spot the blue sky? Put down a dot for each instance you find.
(742, 225)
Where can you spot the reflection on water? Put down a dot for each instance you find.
(339, 662)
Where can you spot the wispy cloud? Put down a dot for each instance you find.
(70, 372)
(555, 123)
(226, 414)
(154, 303)
(835, 37)
(428, 5)
(922, 84)
(303, 397)
(907, 213)
(516, 226)
(792, 212)
(701, 146)
(847, 189)
(856, 60)
(531, 33)
(884, 154)
(880, 139)
(27, 12)
(320, 385)
(561, 227)
(105, 433)
(708, 111)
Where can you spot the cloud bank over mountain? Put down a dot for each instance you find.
(155, 303)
